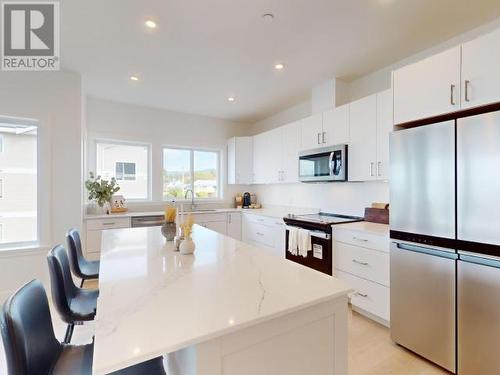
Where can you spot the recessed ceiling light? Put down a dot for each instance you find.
(151, 24)
(134, 78)
(279, 66)
(230, 99)
(268, 17)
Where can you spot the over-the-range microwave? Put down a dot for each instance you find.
(323, 164)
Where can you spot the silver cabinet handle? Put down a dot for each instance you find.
(452, 94)
(467, 83)
(260, 234)
(323, 137)
(319, 135)
(379, 167)
(108, 223)
(360, 239)
(361, 294)
(371, 169)
(359, 262)
(229, 218)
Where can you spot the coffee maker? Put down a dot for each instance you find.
(247, 200)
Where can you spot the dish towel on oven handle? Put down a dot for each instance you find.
(304, 242)
(293, 240)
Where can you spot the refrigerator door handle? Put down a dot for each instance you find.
(479, 260)
(426, 250)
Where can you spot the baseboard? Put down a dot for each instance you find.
(371, 316)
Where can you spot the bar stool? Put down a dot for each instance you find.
(75, 305)
(81, 267)
(32, 348)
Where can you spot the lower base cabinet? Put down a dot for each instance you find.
(264, 231)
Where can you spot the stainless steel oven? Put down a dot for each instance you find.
(323, 164)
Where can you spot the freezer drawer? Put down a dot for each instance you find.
(423, 180)
(423, 302)
(478, 319)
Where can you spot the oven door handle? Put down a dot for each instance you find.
(314, 233)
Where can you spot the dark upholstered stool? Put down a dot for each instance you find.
(81, 268)
(74, 304)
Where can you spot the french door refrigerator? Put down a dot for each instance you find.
(445, 247)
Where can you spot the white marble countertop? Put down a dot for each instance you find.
(365, 226)
(155, 301)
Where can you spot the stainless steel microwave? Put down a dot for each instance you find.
(323, 164)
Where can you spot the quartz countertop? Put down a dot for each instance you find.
(365, 226)
(154, 301)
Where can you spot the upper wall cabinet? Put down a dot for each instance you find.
(290, 145)
(481, 70)
(240, 160)
(311, 129)
(336, 126)
(362, 149)
(325, 129)
(427, 88)
(260, 157)
(370, 124)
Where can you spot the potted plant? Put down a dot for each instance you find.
(100, 191)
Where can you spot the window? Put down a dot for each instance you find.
(128, 163)
(18, 167)
(188, 169)
(125, 171)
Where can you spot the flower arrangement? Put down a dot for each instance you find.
(170, 214)
(100, 190)
(187, 226)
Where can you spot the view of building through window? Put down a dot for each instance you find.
(18, 176)
(128, 163)
(185, 169)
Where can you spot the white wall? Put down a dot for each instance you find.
(297, 112)
(55, 100)
(112, 120)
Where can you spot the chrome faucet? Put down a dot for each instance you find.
(192, 197)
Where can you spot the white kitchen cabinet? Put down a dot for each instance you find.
(429, 87)
(290, 144)
(234, 225)
(481, 70)
(336, 126)
(274, 158)
(384, 128)
(216, 221)
(240, 160)
(361, 258)
(311, 129)
(217, 226)
(260, 156)
(265, 232)
(362, 149)
(93, 233)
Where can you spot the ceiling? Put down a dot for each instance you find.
(205, 51)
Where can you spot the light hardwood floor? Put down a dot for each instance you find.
(371, 351)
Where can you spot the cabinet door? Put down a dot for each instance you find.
(240, 160)
(259, 158)
(336, 126)
(217, 226)
(231, 161)
(290, 147)
(384, 128)
(274, 155)
(362, 151)
(234, 225)
(93, 242)
(481, 70)
(279, 238)
(427, 88)
(311, 129)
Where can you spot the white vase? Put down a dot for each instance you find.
(94, 209)
(187, 246)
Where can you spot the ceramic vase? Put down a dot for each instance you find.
(169, 230)
(187, 246)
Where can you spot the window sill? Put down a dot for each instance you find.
(14, 250)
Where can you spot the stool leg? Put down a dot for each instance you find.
(69, 333)
(81, 283)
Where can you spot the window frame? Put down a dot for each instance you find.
(127, 143)
(40, 190)
(191, 168)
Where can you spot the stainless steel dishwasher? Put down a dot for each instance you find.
(147, 221)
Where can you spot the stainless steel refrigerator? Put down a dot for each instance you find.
(445, 247)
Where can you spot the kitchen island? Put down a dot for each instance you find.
(230, 308)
